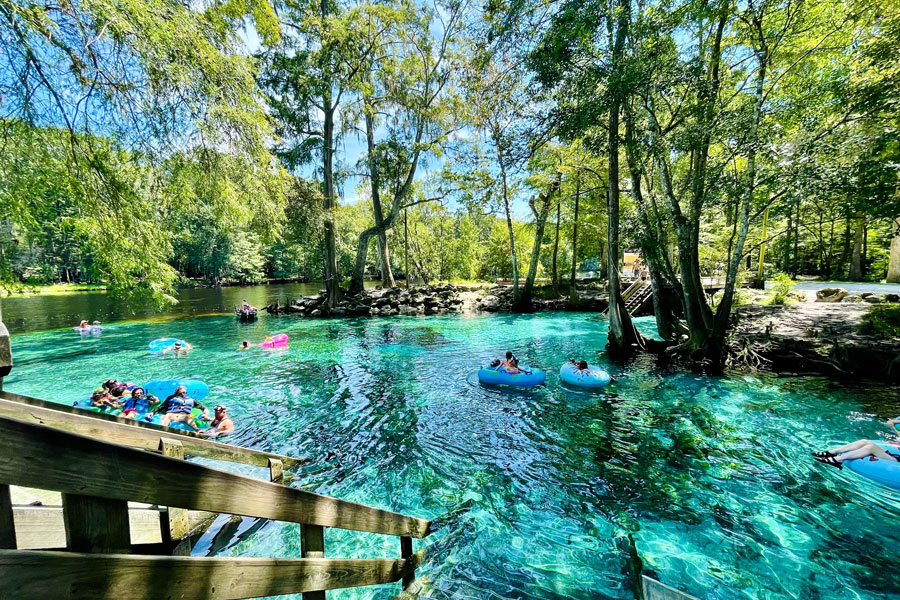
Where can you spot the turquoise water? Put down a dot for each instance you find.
(711, 475)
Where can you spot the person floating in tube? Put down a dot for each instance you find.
(859, 449)
(178, 407)
(582, 365)
(510, 364)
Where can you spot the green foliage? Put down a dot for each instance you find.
(883, 321)
(782, 284)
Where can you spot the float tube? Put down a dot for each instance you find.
(162, 389)
(499, 376)
(885, 472)
(278, 341)
(594, 377)
(163, 344)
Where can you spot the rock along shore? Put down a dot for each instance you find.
(434, 299)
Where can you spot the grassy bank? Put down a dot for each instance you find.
(55, 289)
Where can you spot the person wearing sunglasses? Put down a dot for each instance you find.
(221, 423)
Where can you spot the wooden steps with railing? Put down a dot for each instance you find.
(97, 479)
(635, 296)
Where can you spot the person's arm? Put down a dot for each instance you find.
(161, 408)
(891, 423)
(205, 415)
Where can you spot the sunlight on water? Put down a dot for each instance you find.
(711, 475)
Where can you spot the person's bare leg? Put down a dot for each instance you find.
(166, 419)
(192, 424)
(850, 447)
(868, 449)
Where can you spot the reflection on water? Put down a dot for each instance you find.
(37, 313)
(711, 475)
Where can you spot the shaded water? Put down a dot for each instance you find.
(48, 311)
(712, 475)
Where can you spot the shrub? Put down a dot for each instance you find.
(883, 321)
(783, 286)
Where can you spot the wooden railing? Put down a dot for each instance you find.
(97, 479)
(136, 433)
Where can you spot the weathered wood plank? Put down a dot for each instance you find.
(654, 590)
(96, 524)
(7, 521)
(276, 470)
(176, 518)
(42, 457)
(312, 545)
(39, 575)
(406, 551)
(129, 432)
(42, 527)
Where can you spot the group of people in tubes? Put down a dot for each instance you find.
(178, 407)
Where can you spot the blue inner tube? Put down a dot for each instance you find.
(885, 472)
(163, 388)
(594, 377)
(162, 344)
(498, 376)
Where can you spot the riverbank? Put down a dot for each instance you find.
(436, 299)
(55, 289)
(814, 337)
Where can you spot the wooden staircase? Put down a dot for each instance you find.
(636, 296)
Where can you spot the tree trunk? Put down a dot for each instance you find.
(509, 224)
(555, 275)
(786, 256)
(715, 350)
(541, 213)
(865, 251)
(856, 273)
(795, 261)
(406, 246)
(623, 340)
(332, 278)
(387, 274)
(893, 273)
(667, 324)
(573, 290)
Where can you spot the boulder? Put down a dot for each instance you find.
(873, 299)
(853, 298)
(316, 313)
(865, 295)
(831, 294)
(892, 297)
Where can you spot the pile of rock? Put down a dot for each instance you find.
(425, 300)
(842, 295)
(500, 298)
(432, 300)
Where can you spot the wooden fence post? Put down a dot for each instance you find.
(406, 553)
(312, 545)
(7, 524)
(96, 524)
(175, 525)
(276, 470)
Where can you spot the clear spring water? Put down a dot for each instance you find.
(711, 475)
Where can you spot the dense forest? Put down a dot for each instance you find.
(147, 143)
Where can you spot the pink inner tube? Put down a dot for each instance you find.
(277, 341)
